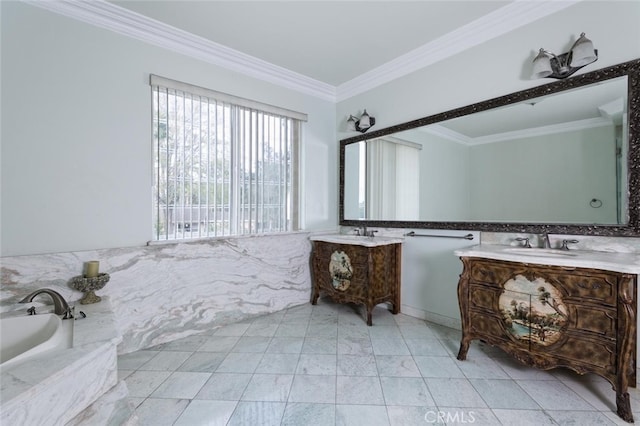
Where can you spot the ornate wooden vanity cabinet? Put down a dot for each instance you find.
(554, 316)
(361, 274)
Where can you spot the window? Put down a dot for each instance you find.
(222, 165)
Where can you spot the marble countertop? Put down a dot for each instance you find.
(356, 240)
(619, 262)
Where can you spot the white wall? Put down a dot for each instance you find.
(76, 134)
(495, 68)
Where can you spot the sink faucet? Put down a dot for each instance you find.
(60, 306)
(545, 240)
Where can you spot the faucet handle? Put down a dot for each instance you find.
(565, 242)
(68, 313)
(356, 231)
(526, 241)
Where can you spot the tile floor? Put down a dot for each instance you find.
(321, 365)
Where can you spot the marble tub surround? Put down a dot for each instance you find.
(164, 292)
(54, 387)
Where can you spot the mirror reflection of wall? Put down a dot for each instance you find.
(543, 160)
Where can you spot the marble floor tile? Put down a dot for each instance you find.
(278, 364)
(582, 418)
(322, 329)
(251, 344)
(268, 387)
(307, 414)
(468, 416)
(523, 417)
(291, 329)
(219, 343)
(384, 332)
(143, 383)
(285, 345)
(357, 365)
(321, 364)
(359, 415)
(359, 390)
(232, 329)
(160, 411)
(397, 366)
(257, 413)
(203, 362)
(135, 360)
(402, 415)
(261, 329)
(389, 346)
(355, 345)
(426, 347)
(438, 366)
(320, 345)
(190, 343)
(181, 385)
(224, 387)
(554, 395)
(355, 331)
(318, 389)
(206, 413)
(240, 362)
(454, 393)
(166, 361)
(481, 369)
(504, 394)
(406, 391)
(416, 331)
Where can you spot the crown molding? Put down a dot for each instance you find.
(123, 21)
(494, 24)
(571, 126)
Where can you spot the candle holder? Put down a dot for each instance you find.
(88, 286)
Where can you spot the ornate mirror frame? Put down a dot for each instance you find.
(630, 69)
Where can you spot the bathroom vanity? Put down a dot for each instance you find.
(552, 308)
(357, 269)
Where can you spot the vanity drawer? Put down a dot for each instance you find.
(598, 353)
(492, 273)
(603, 322)
(484, 297)
(487, 325)
(599, 288)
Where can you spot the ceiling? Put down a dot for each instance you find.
(329, 41)
(329, 49)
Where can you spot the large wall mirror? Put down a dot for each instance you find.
(563, 158)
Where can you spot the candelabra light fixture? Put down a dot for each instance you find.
(548, 64)
(362, 124)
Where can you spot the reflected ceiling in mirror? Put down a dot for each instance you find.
(557, 158)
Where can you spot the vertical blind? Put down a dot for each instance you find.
(223, 165)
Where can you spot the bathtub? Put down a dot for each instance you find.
(26, 336)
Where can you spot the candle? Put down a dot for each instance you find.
(92, 269)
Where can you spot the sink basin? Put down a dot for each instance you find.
(540, 252)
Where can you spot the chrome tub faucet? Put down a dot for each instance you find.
(60, 306)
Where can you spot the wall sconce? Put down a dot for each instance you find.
(362, 124)
(548, 64)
